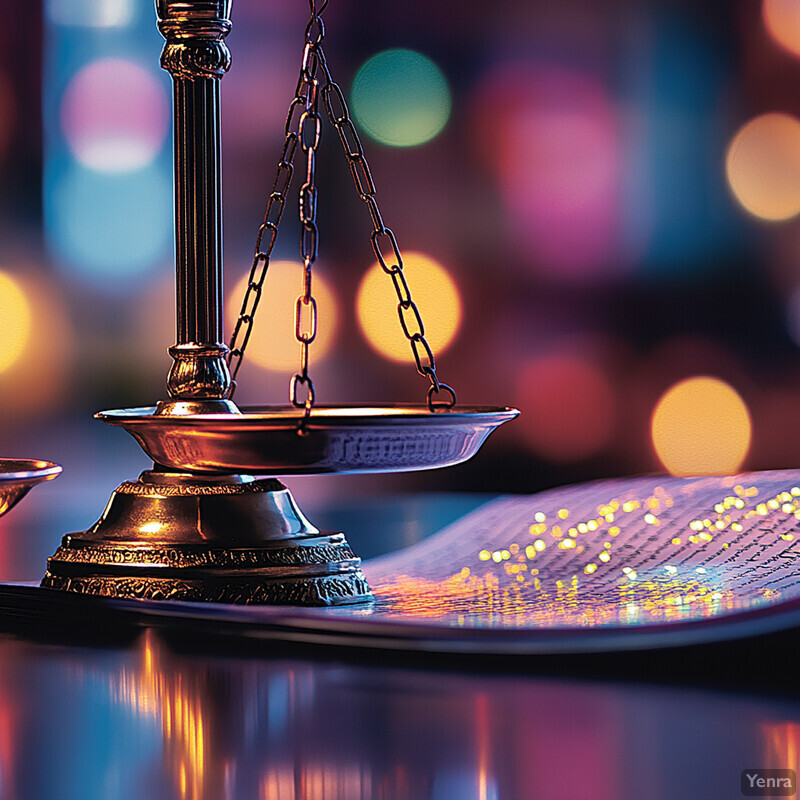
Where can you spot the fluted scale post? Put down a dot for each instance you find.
(196, 56)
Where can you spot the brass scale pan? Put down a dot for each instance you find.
(266, 440)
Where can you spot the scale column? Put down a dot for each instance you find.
(196, 56)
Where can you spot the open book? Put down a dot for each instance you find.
(613, 565)
(618, 563)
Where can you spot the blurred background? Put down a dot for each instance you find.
(597, 202)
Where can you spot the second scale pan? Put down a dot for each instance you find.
(19, 475)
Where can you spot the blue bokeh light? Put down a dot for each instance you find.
(109, 229)
(401, 98)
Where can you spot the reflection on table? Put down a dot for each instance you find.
(147, 721)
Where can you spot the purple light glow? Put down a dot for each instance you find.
(550, 136)
(568, 406)
(114, 116)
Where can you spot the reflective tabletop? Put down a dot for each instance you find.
(147, 720)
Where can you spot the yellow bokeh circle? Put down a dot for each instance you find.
(763, 166)
(435, 294)
(782, 20)
(272, 344)
(701, 426)
(15, 313)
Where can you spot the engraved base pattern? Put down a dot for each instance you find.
(320, 591)
(227, 539)
(184, 557)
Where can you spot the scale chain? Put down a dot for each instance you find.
(309, 130)
(407, 310)
(306, 131)
(272, 215)
(261, 259)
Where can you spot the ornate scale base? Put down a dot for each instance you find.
(226, 539)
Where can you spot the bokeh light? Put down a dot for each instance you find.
(110, 228)
(701, 426)
(262, 72)
(568, 407)
(400, 98)
(15, 313)
(114, 115)
(793, 316)
(8, 113)
(154, 327)
(550, 137)
(272, 343)
(91, 13)
(763, 166)
(435, 294)
(782, 20)
(36, 329)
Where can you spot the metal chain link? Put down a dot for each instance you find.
(306, 131)
(263, 251)
(384, 244)
(309, 129)
(303, 126)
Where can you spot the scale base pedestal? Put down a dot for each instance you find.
(223, 539)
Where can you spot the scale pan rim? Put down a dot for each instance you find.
(264, 440)
(27, 470)
(339, 415)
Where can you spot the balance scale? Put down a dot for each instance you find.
(627, 564)
(211, 521)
